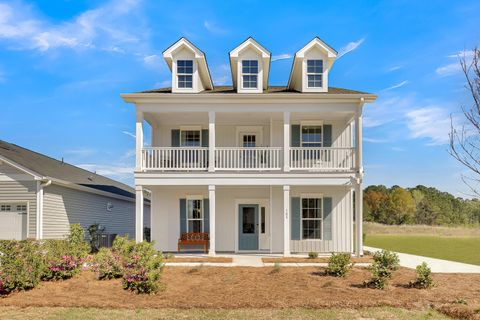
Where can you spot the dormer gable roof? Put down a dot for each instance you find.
(261, 50)
(200, 57)
(321, 45)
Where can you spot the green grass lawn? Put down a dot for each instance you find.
(204, 314)
(462, 249)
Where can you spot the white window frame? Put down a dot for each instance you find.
(315, 73)
(250, 74)
(202, 219)
(311, 196)
(184, 74)
(311, 124)
(195, 128)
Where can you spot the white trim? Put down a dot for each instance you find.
(21, 202)
(202, 219)
(254, 130)
(190, 128)
(262, 202)
(312, 124)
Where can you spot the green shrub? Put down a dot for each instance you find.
(21, 265)
(142, 266)
(313, 255)
(107, 264)
(78, 247)
(424, 277)
(339, 264)
(123, 246)
(386, 260)
(384, 263)
(276, 268)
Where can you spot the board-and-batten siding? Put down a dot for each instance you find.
(342, 222)
(64, 206)
(12, 189)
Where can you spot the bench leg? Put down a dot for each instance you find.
(178, 248)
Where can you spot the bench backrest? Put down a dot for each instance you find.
(194, 236)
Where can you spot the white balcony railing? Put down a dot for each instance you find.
(247, 159)
(322, 159)
(257, 158)
(174, 158)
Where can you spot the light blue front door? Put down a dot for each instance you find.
(248, 227)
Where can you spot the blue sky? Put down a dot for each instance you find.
(64, 63)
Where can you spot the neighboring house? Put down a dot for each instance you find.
(40, 197)
(260, 168)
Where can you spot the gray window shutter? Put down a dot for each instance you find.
(175, 138)
(327, 135)
(183, 216)
(295, 214)
(295, 135)
(327, 218)
(205, 138)
(206, 215)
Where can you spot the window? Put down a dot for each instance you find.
(194, 215)
(311, 136)
(311, 218)
(5, 208)
(262, 220)
(248, 219)
(22, 207)
(249, 140)
(185, 73)
(315, 73)
(190, 138)
(249, 73)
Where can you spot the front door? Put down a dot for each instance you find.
(248, 227)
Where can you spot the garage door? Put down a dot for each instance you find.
(13, 221)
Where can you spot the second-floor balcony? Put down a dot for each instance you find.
(326, 159)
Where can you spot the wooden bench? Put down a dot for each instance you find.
(194, 238)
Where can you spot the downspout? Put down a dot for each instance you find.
(39, 221)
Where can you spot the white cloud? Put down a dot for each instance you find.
(129, 134)
(351, 46)
(210, 26)
(221, 75)
(107, 27)
(430, 122)
(373, 140)
(117, 172)
(454, 67)
(388, 108)
(398, 85)
(394, 68)
(282, 56)
(81, 152)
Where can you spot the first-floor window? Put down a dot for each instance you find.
(312, 218)
(194, 215)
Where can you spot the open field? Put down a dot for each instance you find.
(371, 228)
(206, 314)
(255, 288)
(461, 249)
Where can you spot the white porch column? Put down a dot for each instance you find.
(39, 212)
(286, 221)
(138, 213)
(358, 139)
(139, 140)
(359, 218)
(211, 141)
(211, 197)
(286, 141)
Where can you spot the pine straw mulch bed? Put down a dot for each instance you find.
(231, 288)
(364, 259)
(199, 259)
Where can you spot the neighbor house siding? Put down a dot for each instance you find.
(15, 185)
(64, 206)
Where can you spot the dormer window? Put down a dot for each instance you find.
(185, 73)
(250, 74)
(315, 73)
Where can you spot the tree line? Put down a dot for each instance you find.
(419, 205)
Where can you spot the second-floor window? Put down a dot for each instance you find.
(190, 138)
(315, 73)
(185, 73)
(311, 136)
(250, 73)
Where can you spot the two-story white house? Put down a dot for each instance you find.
(260, 168)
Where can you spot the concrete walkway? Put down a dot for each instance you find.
(437, 265)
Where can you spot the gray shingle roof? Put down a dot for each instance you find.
(52, 168)
(271, 89)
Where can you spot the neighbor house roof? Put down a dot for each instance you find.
(271, 89)
(50, 168)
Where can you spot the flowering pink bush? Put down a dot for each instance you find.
(142, 275)
(63, 268)
(107, 264)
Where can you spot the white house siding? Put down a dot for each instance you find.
(17, 186)
(64, 206)
(166, 216)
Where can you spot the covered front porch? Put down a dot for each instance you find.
(268, 219)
